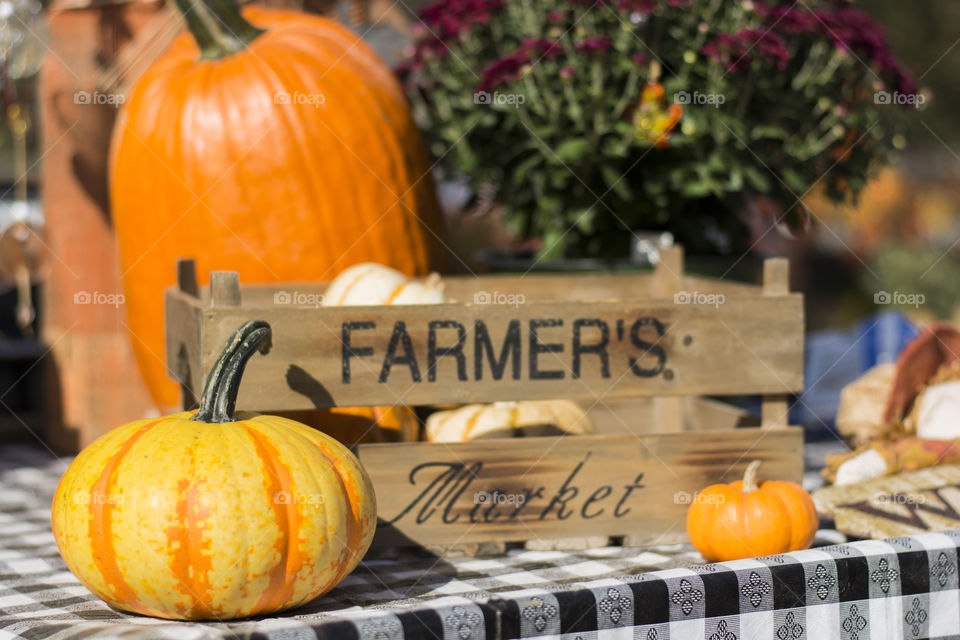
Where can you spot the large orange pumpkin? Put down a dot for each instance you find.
(282, 148)
(208, 514)
(746, 520)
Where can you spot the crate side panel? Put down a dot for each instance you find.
(351, 356)
(462, 289)
(184, 335)
(550, 488)
(550, 287)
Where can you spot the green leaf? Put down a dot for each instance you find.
(734, 180)
(770, 131)
(794, 180)
(571, 149)
(614, 180)
(560, 178)
(697, 188)
(584, 219)
(521, 169)
(757, 178)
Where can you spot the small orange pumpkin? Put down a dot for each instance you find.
(210, 514)
(744, 520)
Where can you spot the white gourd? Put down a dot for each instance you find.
(865, 466)
(370, 283)
(939, 415)
(508, 419)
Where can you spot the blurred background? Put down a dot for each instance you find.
(871, 272)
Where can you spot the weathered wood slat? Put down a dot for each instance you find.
(545, 287)
(552, 488)
(351, 356)
(184, 339)
(776, 282)
(668, 280)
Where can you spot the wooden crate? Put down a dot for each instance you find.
(636, 349)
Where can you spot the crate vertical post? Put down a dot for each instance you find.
(224, 289)
(668, 276)
(776, 282)
(667, 281)
(178, 364)
(187, 277)
(183, 317)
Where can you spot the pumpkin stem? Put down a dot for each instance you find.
(217, 26)
(750, 477)
(219, 399)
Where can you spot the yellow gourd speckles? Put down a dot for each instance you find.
(212, 515)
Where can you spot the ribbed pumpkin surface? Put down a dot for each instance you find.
(745, 519)
(208, 162)
(253, 516)
(508, 419)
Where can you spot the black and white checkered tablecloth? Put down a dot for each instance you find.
(901, 588)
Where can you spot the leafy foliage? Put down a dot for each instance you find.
(593, 119)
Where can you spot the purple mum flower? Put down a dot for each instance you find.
(850, 29)
(593, 45)
(503, 70)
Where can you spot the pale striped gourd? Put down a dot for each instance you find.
(508, 419)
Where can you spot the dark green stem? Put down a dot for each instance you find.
(219, 399)
(217, 26)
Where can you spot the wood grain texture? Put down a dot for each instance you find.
(774, 408)
(668, 280)
(637, 416)
(187, 277)
(184, 339)
(668, 274)
(555, 488)
(748, 344)
(542, 287)
(224, 289)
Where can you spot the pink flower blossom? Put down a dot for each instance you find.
(593, 45)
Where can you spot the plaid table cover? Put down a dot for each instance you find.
(899, 588)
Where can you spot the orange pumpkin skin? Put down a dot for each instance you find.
(726, 522)
(208, 514)
(208, 162)
(146, 516)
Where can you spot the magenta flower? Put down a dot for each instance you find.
(727, 50)
(451, 18)
(510, 66)
(593, 45)
(542, 47)
(768, 44)
(503, 70)
(789, 18)
(737, 51)
(649, 6)
(849, 28)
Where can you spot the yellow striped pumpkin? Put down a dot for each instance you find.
(508, 419)
(208, 514)
(370, 283)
